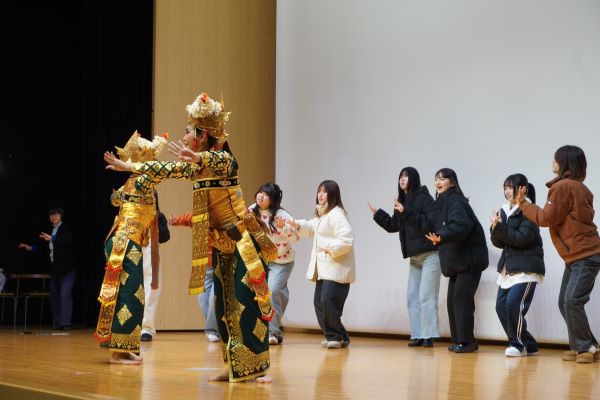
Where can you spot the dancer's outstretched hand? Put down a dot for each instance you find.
(115, 164)
(183, 152)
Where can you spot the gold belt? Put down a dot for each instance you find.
(226, 238)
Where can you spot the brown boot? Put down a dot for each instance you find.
(569, 355)
(585, 357)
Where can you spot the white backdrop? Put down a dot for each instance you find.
(486, 87)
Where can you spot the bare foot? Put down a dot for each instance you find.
(264, 379)
(125, 358)
(223, 376)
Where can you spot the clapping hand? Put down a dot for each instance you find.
(279, 222)
(433, 238)
(45, 236)
(495, 218)
(398, 206)
(293, 223)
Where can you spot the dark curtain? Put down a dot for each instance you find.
(77, 81)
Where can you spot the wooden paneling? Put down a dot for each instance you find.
(220, 47)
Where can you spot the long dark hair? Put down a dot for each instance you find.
(414, 183)
(334, 197)
(275, 195)
(515, 181)
(449, 173)
(571, 159)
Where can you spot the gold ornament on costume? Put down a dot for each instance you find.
(209, 115)
(138, 149)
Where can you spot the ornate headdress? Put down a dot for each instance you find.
(138, 149)
(209, 115)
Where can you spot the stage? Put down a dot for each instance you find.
(57, 365)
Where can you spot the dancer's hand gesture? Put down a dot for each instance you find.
(183, 152)
(115, 164)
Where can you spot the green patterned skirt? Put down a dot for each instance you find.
(244, 335)
(128, 313)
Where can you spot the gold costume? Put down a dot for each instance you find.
(239, 249)
(122, 293)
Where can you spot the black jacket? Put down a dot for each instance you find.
(412, 241)
(63, 251)
(521, 244)
(463, 247)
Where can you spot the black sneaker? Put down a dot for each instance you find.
(428, 342)
(466, 348)
(415, 342)
(146, 337)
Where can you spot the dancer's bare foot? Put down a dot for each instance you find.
(264, 379)
(125, 358)
(223, 376)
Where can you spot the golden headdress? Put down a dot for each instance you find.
(208, 115)
(138, 149)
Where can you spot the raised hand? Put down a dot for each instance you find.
(521, 195)
(373, 209)
(183, 152)
(115, 164)
(495, 218)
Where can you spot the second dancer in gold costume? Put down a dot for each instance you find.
(224, 235)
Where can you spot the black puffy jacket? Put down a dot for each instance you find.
(521, 244)
(412, 241)
(463, 247)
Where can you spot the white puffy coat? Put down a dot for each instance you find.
(331, 231)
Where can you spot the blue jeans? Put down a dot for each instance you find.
(206, 301)
(422, 295)
(511, 306)
(61, 298)
(280, 294)
(577, 284)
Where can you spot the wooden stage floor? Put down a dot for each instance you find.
(55, 365)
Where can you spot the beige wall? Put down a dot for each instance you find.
(226, 47)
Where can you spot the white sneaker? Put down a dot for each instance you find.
(273, 340)
(334, 344)
(211, 337)
(324, 343)
(514, 352)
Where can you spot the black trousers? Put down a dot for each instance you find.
(329, 302)
(461, 305)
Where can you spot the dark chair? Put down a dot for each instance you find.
(10, 296)
(38, 289)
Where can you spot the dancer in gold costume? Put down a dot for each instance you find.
(224, 233)
(122, 292)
